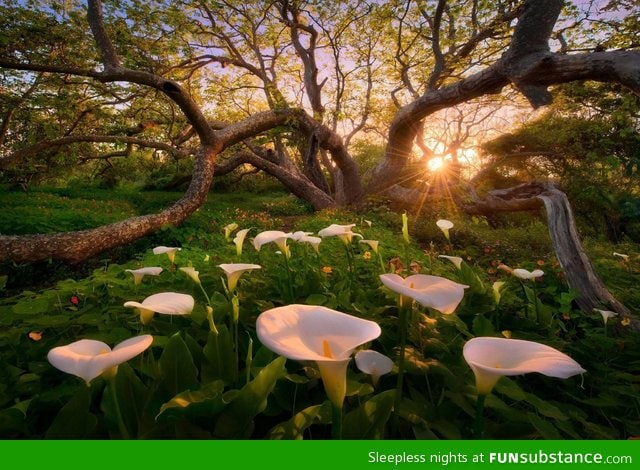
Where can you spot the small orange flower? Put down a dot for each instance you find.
(625, 321)
(540, 262)
(35, 335)
(366, 255)
(327, 269)
(414, 267)
(566, 316)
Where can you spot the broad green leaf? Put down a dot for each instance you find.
(368, 421)
(482, 326)
(205, 402)
(131, 394)
(545, 428)
(316, 299)
(176, 366)
(31, 306)
(220, 361)
(296, 426)
(235, 422)
(74, 421)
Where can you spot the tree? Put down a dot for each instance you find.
(149, 59)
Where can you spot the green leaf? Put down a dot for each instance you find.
(74, 421)
(176, 366)
(296, 426)
(205, 403)
(220, 360)
(236, 420)
(545, 428)
(131, 394)
(316, 299)
(368, 420)
(482, 326)
(31, 306)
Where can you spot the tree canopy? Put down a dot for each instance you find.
(290, 88)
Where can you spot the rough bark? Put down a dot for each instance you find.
(80, 245)
(578, 270)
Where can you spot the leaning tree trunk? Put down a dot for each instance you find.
(577, 268)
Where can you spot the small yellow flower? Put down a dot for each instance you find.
(506, 334)
(625, 321)
(327, 269)
(366, 255)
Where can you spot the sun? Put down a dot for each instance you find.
(435, 164)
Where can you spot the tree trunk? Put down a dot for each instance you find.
(80, 245)
(577, 268)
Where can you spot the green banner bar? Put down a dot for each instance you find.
(325, 455)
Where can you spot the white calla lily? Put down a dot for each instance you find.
(491, 358)
(140, 273)
(297, 236)
(239, 240)
(313, 241)
(343, 232)
(234, 271)
(373, 244)
(606, 314)
(524, 274)
(316, 333)
(273, 236)
(445, 225)
(170, 251)
(373, 363)
(88, 358)
(167, 303)
(192, 273)
(436, 292)
(456, 260)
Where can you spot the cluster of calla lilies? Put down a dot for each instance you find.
(323, 335)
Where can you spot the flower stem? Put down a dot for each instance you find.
(336, 422)
(124, 433)
(402, 341)
(479, 424)
(289, 278)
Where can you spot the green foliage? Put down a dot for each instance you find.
(194, 383)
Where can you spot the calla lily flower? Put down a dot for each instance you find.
(316, 333)
(445, 225)
(168, 303)
(372, 243)
(89, 358)
(606, 314)
(497, 290)
(239, 239)
(140, 273)
(234, 271)
(405, 227)
(192, 273)
(313, 241)
(297, 236)
(621, 255)
(373, 363)
(456, 260)
(228, 230)
(169, 250)
(524, 274)
(273, 236)
(492, 358)
(436, 292)
(344, 232)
